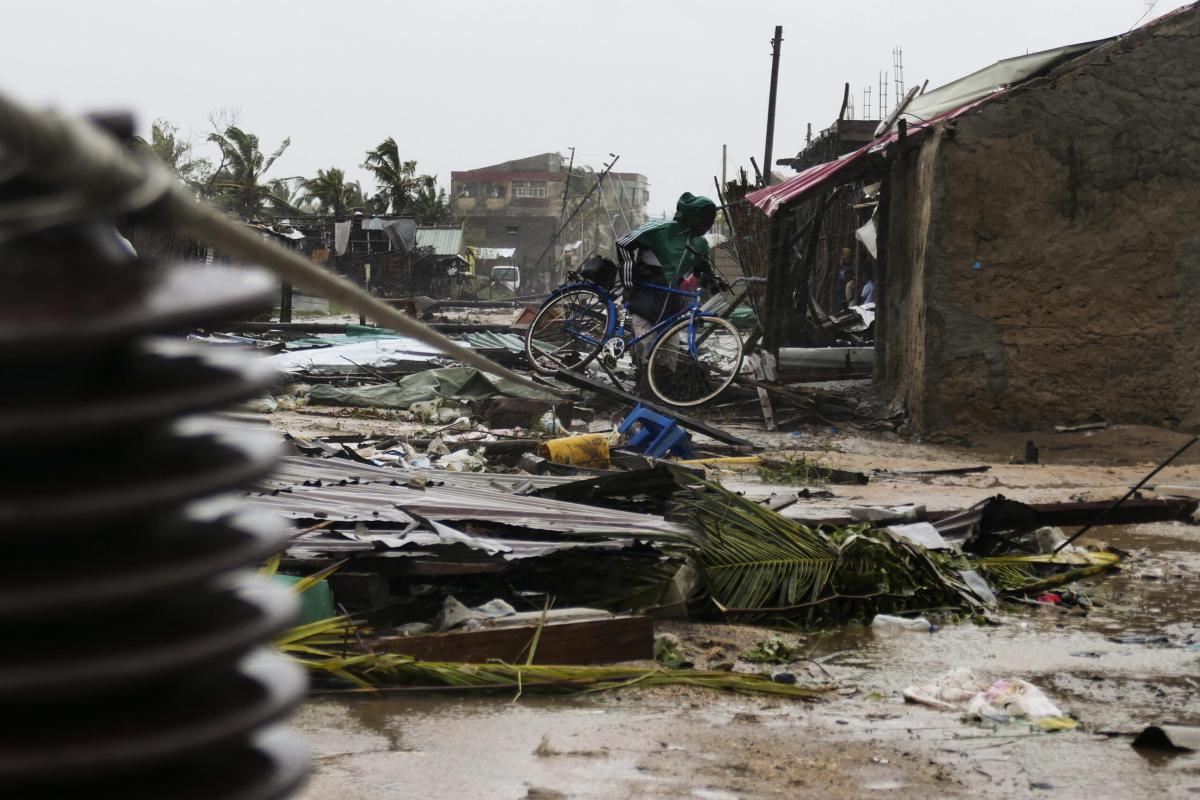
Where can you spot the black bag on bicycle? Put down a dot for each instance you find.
(600, 271)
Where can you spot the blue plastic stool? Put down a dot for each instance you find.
(659, 434)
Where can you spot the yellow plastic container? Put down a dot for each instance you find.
(584, 450)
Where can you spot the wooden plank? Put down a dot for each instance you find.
(600, 641)
(764, 400)
(1132, 512)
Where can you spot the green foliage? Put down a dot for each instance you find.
(287, 197)
(334, 648)
(668, 651)
(330, 192)
(396, 179)
(770, 651)
(755, 561)
(804, 470)
(239, 184)
(795, 471)
(168, 146)
(429, 205)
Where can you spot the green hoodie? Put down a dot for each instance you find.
(669, 239)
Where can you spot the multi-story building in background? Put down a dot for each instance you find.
(518, 206)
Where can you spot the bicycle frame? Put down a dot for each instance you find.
(618, 328)
(691, 312)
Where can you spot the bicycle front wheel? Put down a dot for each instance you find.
(569, 330)
(694, 361)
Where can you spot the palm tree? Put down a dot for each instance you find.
(331, 193)
(239, 182)
(397, 180)
(176, 153)
(430, 206)
(373, 204)
(288, 197)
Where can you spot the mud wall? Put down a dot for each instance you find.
(1044, 252)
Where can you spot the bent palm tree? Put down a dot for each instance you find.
(288, 198)
(430, 206)
(240, 184)
(175, 152)
(397, 180)
(332, 194)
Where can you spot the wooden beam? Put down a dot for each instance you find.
(600, 641)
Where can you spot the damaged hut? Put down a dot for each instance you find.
(1035, 237)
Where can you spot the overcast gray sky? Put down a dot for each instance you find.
(467, 83)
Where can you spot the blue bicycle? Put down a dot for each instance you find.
(688, 358)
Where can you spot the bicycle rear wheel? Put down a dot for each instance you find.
(569, 330)
(694, 361)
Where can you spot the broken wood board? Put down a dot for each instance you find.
(1134, 511)
(597, 641)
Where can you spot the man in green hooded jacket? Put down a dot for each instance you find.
(663, 253)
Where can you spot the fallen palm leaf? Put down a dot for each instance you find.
(1020, 574)
(388, 670)
(754, 562)
(308, 581)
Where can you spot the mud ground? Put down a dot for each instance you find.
(864, 739)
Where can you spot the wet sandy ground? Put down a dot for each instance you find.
(685, 743)
(865, 739)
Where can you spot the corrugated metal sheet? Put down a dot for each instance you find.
(333, 489)
(938, 105)
(771, 198)
(444, 241)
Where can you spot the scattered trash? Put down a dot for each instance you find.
(1140, 638)
(583, 450)
(454, 614)
(886, 622)
(904, 513)
(1087, 426)
(458, 383)
(961, 689)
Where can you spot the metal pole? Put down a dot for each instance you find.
(616, 193)
(563, 210)
(775, 45)
(567, 186)
(1128, 494)
(578, 208)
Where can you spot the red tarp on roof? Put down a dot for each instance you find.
(771, 198)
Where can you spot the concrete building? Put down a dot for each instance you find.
(515, 204)
(518, 204)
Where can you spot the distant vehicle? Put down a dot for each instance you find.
(508, 275)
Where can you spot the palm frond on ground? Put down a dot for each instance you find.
(756, 562)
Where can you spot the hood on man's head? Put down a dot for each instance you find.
(691, 209)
